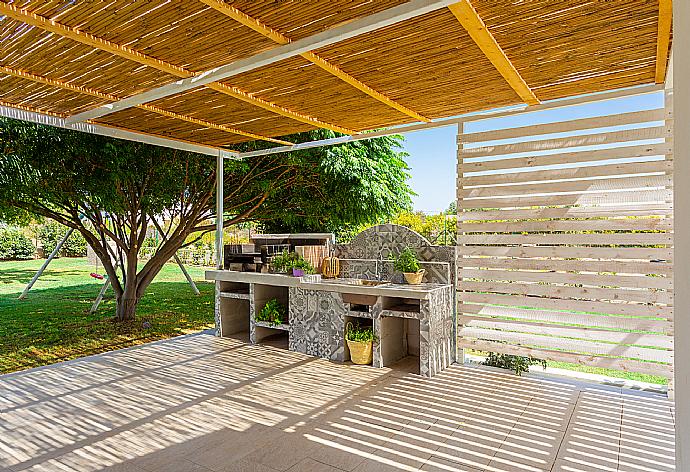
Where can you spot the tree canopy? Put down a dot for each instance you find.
(110, 189)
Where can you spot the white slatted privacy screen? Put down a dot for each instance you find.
(565, 241)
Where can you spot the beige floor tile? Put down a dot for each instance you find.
(311, 465)
(181, 465)
(387, 464)
(578, 465)
(436, 464)
(244, 466)
(502, 465)
(200, 404)
(282, 452)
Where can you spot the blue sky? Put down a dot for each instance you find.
(433, 152)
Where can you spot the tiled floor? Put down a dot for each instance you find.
(201, 404)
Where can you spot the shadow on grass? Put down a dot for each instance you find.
(53, 324)
(23, 276)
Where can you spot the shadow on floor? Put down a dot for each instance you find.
(200, 403)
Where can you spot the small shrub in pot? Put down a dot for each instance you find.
(407, 263)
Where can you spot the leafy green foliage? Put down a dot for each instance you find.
(15, 246)
(406, 261)
(110, 190)
(362, 334)
(50, 233)
(361, 183)
(273, 312)
(431, 227)
(287, 261)
(519, 364)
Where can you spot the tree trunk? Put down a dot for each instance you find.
(126, 308)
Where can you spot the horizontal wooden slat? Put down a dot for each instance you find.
(653, 253)
(604, 198)
(650, 368)
(598, 185)
(605, 280)
(566, 126)
(632, 224)
(608, 292)
(589, 347)
(638, 339)
(572, 173)
(654, 132)
(499, 313)
(627, 152)
(657, 209)
(519, 301)
(560, 291)
(625, 267)
(639, 239)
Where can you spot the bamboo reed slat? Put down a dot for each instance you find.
(429, 63)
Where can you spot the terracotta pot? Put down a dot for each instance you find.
(361, 353)
(414, 278)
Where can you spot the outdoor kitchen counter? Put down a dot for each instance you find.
(387, 289)
(409, 320)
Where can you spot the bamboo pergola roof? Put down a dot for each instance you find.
(71, 60)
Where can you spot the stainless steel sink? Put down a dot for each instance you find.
(364, 282)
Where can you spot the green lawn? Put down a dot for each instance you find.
(52, 324)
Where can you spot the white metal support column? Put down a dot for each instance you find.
(219, 211)
(681, 194)
(459, 351)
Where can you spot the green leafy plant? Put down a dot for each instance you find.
(110, 190)
(518, 364)
(406, 261)
(273, 312)
(287, 261)
(15, 246)
(50, 235)
(360, 334)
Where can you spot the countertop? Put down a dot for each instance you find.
(330, 285)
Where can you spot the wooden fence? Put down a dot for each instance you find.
(565, 242)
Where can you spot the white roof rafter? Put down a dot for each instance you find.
(18, 112)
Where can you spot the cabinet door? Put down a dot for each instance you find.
(331, 325)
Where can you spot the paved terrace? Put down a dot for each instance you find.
(200, 404)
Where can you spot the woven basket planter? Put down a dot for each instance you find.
(414, 278)
(361, 353)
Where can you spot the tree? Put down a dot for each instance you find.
(109, 189)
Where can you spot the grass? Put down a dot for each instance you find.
(52, 324)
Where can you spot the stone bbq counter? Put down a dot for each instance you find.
(408, 320)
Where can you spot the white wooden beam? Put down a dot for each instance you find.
(469, 117)
(44, 119)
(681, 219)
(355, 28)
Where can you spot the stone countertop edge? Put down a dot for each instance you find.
(389, 290)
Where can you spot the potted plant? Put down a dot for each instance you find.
(273, 312)
(280, 263)
(360, 342)
(291, 262)
(301, 266)
(407, 263)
